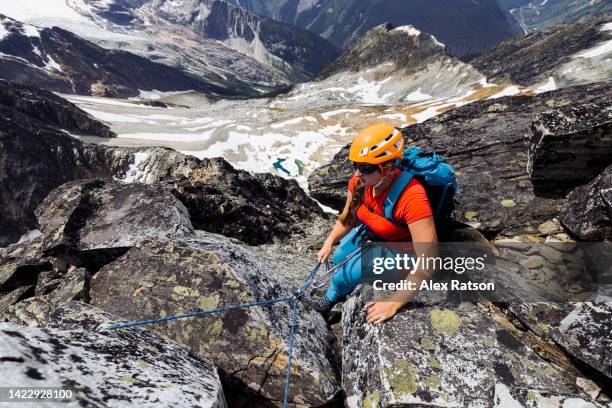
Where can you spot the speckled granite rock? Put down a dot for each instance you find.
(570, 146)
(440, 357)
(586, 333)
(162, 279)
(102, 214)
(587, 211)
(105, 369)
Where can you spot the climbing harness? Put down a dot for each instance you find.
(293, 299)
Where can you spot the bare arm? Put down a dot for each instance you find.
(338, 231)
(423, 234)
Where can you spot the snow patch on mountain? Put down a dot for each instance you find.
(508, 91)
(604, 48)
(550, 85)
(135, 171)
(51, 64)
(417, 96)
(304, 5)
(31, 31)
(3, 32)
(329, 114)
(408, 29)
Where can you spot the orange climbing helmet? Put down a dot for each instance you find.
(377, 144)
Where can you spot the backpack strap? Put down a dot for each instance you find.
(397, 188)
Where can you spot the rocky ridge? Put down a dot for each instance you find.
(388, 65)
(86, 254)
(563, 55)
(466, 27)
(57, 60)
(296, 53)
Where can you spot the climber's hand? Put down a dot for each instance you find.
(379, 311)
(324, 252)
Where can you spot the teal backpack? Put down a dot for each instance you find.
(438, 178)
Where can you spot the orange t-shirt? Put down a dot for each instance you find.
(411, 205)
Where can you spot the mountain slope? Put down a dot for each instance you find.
(296, 52)
(387, 65)
(112, 27)
(57, 60)
(465, 26)
(533, 15)
(566, 54)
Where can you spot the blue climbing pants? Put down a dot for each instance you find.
(349, 275)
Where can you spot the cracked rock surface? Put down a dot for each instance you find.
(441, 356)
(105, 369)
(161, 279)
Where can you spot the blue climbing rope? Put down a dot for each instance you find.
(292, 299)
(198, 314)
(290, 350)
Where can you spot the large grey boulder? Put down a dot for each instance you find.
(103, 214)
(85, 224)
(105, 368)
(533, 59)
(570, 146)
(487, 143)
(440, 356)
(257, 209)
(587, 212)
(586, 334)
(160, 279)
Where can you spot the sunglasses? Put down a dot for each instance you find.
(366, 168)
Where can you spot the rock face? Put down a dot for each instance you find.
(487, 143)
(451, 356)
(585, 334)
(466, 27)
(587, 211)
(35, 156)
(570, 146)
(96, 214)
(146, 260)
(58, 60)
(255, 209)
(30, 106)
(557, 52)
(105, 369)
(412, 51)
(85, 225)
(249, 345)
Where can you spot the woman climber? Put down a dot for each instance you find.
(374, 153)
